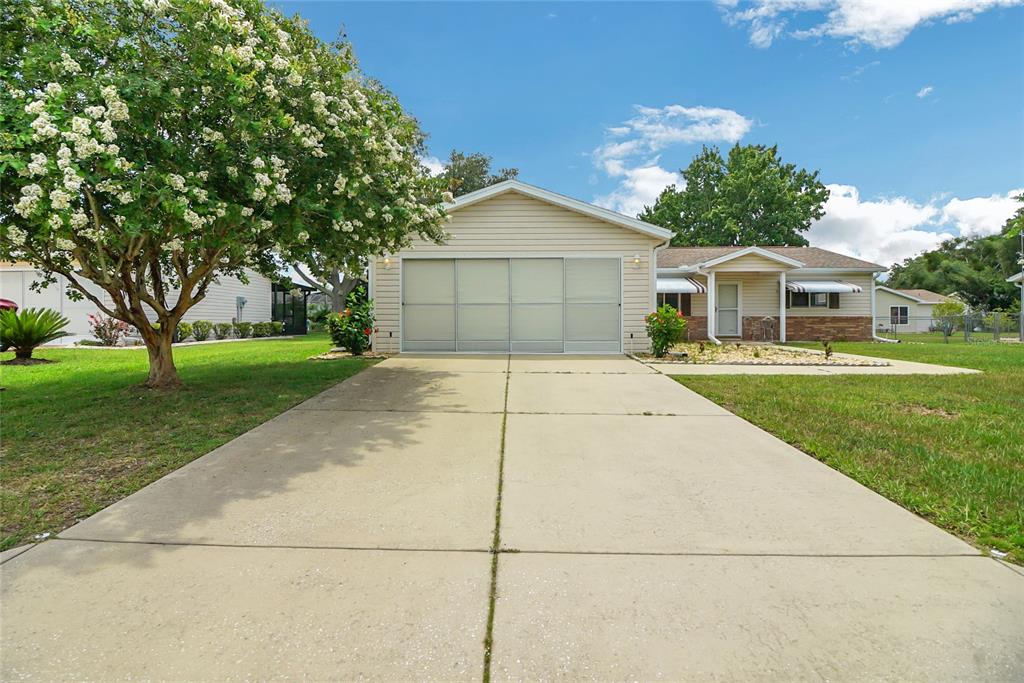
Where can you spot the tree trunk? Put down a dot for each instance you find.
(23, 353)
(162, 373)
(337, 300)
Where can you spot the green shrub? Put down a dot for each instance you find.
(28, 328)
(242, 330)
(184, 330)
(222, 330)
(109, 331)
(665, 327)
(262, 329)
(351, 329)
(201, 330)
(278, 327)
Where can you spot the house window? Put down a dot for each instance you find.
(799, 299)
(680, 302)
(819, 299)
(899, 315)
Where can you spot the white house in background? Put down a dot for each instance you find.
(228, 300)
(908, 310)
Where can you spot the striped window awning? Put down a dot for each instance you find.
(823, 287)
(680, 285)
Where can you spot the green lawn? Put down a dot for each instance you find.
(79, 434)
(949, 448)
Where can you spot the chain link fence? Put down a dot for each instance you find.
(965, 328)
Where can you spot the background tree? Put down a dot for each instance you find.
(151, 147)
(750, 198)
(975, 268)
(465, 173)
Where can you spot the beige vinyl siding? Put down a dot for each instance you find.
(920, 314)
(750, 262)
(513, 224)
(849, 304)
(760, 294)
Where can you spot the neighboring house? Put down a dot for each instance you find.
(528, 270)
(228, 300)
(906, 310)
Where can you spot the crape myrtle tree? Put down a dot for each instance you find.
(150, 147)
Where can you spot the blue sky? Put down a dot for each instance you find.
(915, 117)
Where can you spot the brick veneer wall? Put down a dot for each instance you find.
(834, 328)
(696, 327)
(802, 328)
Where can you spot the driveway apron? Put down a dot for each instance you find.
(644, 533)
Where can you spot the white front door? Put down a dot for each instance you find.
(728, 309)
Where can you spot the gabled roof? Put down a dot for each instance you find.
(810, 257)
(921, 296)
(1018, 278)
(753, 251)
(576, 205)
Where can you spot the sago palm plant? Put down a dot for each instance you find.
(28, 328)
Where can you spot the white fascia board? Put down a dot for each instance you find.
(756, 251)
(558, 200)
(1017, 277)
(902, 294)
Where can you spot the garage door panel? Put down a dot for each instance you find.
(428, 281)
(536, 281)
(429, 328)
(482, 281)
(592, 322)
(537, 322)
(592, 280)
(483, 322)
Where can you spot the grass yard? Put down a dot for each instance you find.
(949, 448)
(79, 434)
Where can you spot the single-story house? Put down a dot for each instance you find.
(229, 300)
(527, 270)
(906, 310)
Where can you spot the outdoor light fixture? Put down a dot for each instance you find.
(636, 260)
(387, 262)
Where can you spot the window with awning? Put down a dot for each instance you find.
(822, 287)
(680, 285)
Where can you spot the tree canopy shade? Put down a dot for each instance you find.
(153, 146)
(975, 268)
(465, 173)
(749, 198)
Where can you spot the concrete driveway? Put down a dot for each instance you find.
(644, 533)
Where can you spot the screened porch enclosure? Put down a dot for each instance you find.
(520, 305)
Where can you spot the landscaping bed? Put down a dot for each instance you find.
(81, 433)
(707, 353)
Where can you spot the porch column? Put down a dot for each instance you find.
(712, 326)
(782, 306)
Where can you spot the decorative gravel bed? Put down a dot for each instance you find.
(752, 354)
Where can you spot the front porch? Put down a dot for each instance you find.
(758, 295)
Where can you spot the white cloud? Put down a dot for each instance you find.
(888, 230)
(981, 216)
(433, 164)
(878, 23)
(925, 91)
(638, 187)
(629, 151)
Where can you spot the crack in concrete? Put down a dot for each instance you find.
(496, 540)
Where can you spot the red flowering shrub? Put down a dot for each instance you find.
(665, 327)
(108, 330)
(351, 329)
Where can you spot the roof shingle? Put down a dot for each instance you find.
(811, 257)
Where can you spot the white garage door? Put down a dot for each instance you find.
(523, 305)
